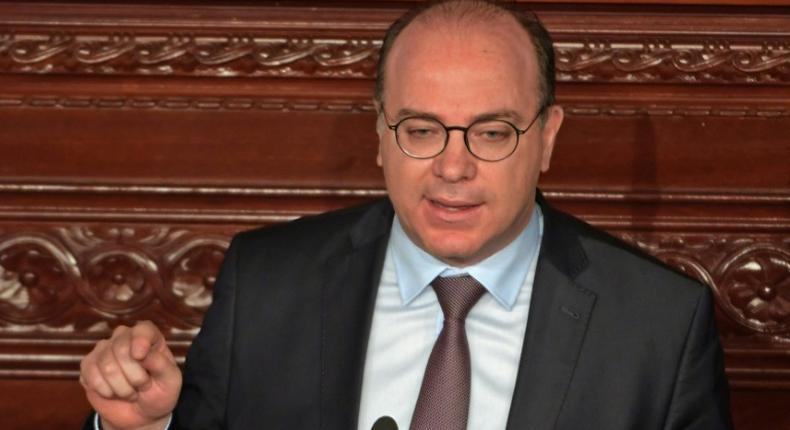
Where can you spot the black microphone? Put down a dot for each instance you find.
(385, 423)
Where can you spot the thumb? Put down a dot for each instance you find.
(162, 367)
(145, 337)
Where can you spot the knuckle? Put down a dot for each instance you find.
(109, 368)
(119, 330)
(121, 349)
(98, 386)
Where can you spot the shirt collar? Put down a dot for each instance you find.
(502, 274)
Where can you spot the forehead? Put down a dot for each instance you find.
(476, 66)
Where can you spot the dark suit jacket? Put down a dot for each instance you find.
(615, 340)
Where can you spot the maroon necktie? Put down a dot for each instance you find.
(443, 403)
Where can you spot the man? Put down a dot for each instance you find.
(333, 321)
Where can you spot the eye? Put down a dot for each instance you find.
(491, 132)
(420, 132)
(494, 134)
(416, 129)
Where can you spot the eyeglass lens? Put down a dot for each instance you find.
(426, 137)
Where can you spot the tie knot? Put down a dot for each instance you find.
(457, 295)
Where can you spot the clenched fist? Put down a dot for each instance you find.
(132, 379)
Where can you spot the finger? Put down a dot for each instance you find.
(91, 378)
(132, 370)
(144, 336)
(113, 375)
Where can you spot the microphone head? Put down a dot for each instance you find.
(385, 423)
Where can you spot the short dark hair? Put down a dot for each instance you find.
(544, 48)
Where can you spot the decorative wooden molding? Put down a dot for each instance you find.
(62, 287)
(687, 62)
(186, 55)
(650, 47)
(232, 103)
(597, 195)
(295, 103)
(77, 278)
(690, 61)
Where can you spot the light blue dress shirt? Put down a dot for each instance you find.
(407, 319)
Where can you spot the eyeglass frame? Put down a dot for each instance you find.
(448, 129)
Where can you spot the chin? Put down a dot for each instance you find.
(455, 251)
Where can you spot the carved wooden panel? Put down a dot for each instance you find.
(136, 138)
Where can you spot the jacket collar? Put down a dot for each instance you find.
(560, 310)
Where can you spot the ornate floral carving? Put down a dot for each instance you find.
(192, 273)
(83, 276)
(36, 279)
(232, 55)
(692, 61)
(82, 280)
(120, 280)
(615, 58)
(687, 264)
(755, 282)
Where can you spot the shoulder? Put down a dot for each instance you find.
(315, 234)
(615, 267)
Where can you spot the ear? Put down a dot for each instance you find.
(551, 126)
(379, 130)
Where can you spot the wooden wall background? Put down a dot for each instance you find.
(137, 136)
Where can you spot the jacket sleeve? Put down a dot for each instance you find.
(700, 398)
(202, 402)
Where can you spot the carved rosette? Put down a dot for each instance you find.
(120, 281)
(192, 273)
(755, 283)
(37, 279)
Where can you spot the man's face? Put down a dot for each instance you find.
(456, 207)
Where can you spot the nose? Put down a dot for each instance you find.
(455, 163)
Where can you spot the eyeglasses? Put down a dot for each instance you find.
(488, 139)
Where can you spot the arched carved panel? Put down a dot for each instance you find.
(120, 280)
(192, 270)
(37, 279)
(79, 277)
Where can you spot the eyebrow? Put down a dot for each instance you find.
(506, 114)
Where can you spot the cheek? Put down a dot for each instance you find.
(398, 177)
(513, 187)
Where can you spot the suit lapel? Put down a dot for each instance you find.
(351, 279)
(559, 312)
